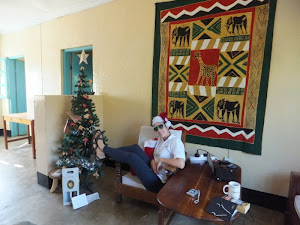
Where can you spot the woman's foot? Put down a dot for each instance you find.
(99, 145)
(100, 154)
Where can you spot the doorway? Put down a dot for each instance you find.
(71, 68)
(17, 92)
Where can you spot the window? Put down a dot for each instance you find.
(71, 68)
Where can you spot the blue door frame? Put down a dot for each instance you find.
(71, 68)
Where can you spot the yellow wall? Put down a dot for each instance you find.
(26, 43)
(122, 35)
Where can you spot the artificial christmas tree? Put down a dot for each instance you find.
(79, 142)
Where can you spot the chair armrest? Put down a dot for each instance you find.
(294, 187)
(291, 216)
(297, 205)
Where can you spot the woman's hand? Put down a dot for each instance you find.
(154, 166)
(159, 165)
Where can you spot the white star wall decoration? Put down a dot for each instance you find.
(83, 56)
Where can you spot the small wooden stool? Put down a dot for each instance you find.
(55, 175)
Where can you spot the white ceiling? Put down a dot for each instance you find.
(19, 14)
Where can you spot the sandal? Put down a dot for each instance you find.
(98, 152)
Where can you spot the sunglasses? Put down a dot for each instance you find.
(160, 126)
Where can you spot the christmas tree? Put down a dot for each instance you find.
(79, 144)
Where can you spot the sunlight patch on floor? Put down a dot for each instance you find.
(3, 162)
(18, 166)
(15, 165)
(21, 146)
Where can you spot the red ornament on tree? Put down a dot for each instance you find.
(85, 140)
(73, 124)
(84, 105)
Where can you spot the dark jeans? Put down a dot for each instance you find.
(137, 159)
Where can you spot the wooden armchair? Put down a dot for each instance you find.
(130, 185)
(291, 215)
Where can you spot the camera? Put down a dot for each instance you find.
(192, 192)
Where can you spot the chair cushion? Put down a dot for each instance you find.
(297, 204)
(133, 181)
(149, 152)
(146, 133)
(177, 133)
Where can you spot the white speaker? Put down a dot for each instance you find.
(70, 184)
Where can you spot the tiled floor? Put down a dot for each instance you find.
(24, 202)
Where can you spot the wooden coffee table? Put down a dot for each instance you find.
(198, 176)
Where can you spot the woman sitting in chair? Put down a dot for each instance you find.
(169, 150)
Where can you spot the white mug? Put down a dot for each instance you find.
(234, 189)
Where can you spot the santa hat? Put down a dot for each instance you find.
(161, 118)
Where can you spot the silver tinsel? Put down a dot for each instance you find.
(84, 163)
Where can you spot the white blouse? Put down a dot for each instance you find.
(171, 148)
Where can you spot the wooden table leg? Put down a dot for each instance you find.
(33, 139)
(170, 217)
(161, 215)
(5, 133)
(28, 134)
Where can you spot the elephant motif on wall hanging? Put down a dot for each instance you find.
(225, 106)
(182, 34)
(176, 108)
(237, 23)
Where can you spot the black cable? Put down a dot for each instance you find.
(207, 153)
(202, 150)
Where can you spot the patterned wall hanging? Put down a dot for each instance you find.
(211, 69)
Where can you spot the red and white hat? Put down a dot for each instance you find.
(161, 118)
